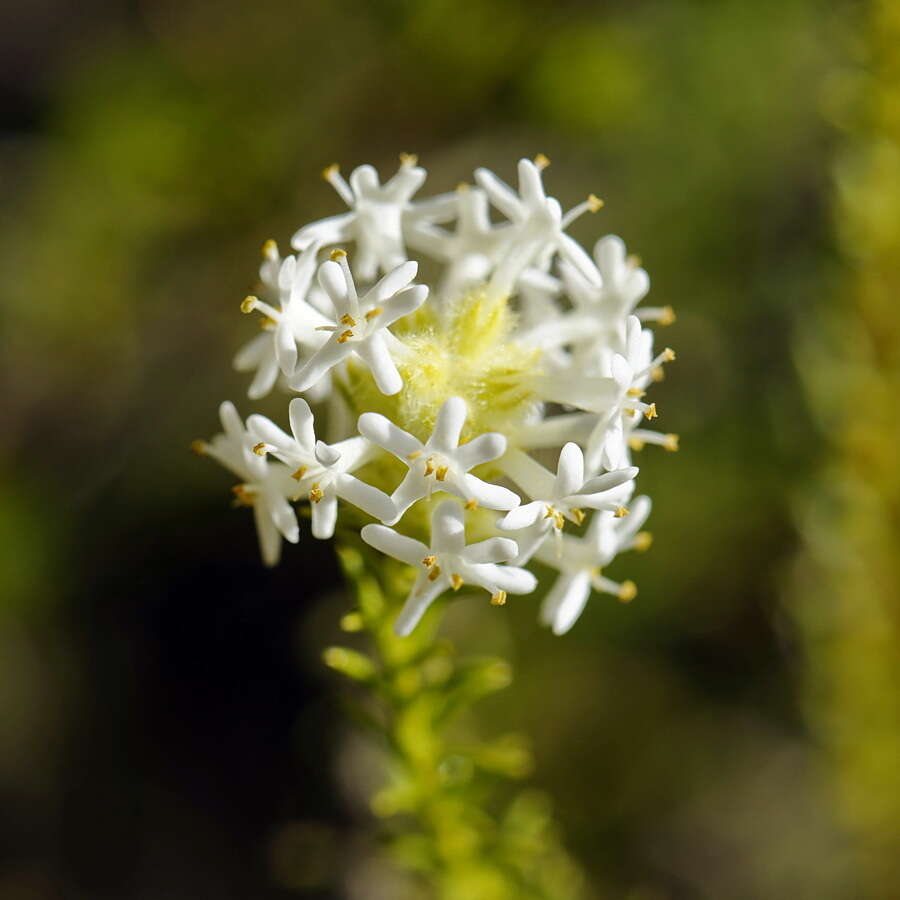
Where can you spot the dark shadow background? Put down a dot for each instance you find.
(167, 727)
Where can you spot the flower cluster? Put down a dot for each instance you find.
(524, 352)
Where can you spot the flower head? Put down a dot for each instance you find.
(508, 396)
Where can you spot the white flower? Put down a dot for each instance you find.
(376, 218)
(539, 225)
(526, 343)
(579, 561)
(265, 486)
(294, 320)
(556, 499)
(449, 563)
(321, 470)
(360, 325)
(441, 463)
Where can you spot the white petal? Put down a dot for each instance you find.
(523, 516)
(302, 424)
(492, 550)
(377, 357)
(490, 496)
(269, 538)
(531, 188)
(566, 601)
(265, 378)
(333, 282)
(285, 348)
(448, 529)
(369, 499)
(263, 429)
(325, 454)
(511, 578)
(423, 594)
(322, 361)
(501, 194)
(382, 431)
(569, 470)
(482, 449)
(394, 282)
(411, 489)
(324, 516)
(450, 420)
(231, 421)
(609, 480)
(398, 546)
(402, 304)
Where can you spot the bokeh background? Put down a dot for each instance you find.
(167, 728)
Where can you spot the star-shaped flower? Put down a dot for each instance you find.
(539, 225)
(449, 563)
(264, 486)
(377, 215)
(289, 318)
(579, 561)
(320, 470)
(440, 463)
(556, 499)
(360, 324)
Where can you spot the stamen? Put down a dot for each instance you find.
(594, 203)
(578, 515)
(298, 475)
(347, 319)
(414, 455)
(260, 448)
(434, 573)
(330, 171)
(429, 561)
(373, 313)
(429, 466)
(637, 393)
(266, 323)
(316, 494)
(636, 443)
(627, 592)
(456, 581)
(408, 159)
(345, 336)
(248, 304)
(541, 161)
(463, 187)
(198, 447)
(667, 317)
(621, 512)
(671, 442)
(668, 355)
(650, 412)
(337, 254)
(633, 260)
(472, 504)
(270, 249)
(657, 373)
(441, 472)
(243, 496)
(642, 541)
(498, 599)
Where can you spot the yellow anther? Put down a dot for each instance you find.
(337, 254)
(559, 521)
(667, 317)
(414, 455)
(472, 504)
(441, 472)
(578, 515)
(248, 304)
(637, 393)
(657, 373)
(266, 322)
(498, 599)
(642, 541)
(621, 512)
(463, 187)
(594, 203)
(541, 161)
(260, 448)
(434, 573)
(650, 411)
(315, 494)
(269, 248)
(548, 514)
(629, 412)
(635, 443)
(633, 260)
(671, 442)
(429, 561)
(345, 336)
(198, 447)
(347, 319)
(627, 592)
(298, 475)
(374, 312)
(330, 171)
(408, 159)
(668, 355)
(456, 581)
(429, 466)
(242, 495)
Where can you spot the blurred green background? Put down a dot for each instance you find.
(166, 726)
